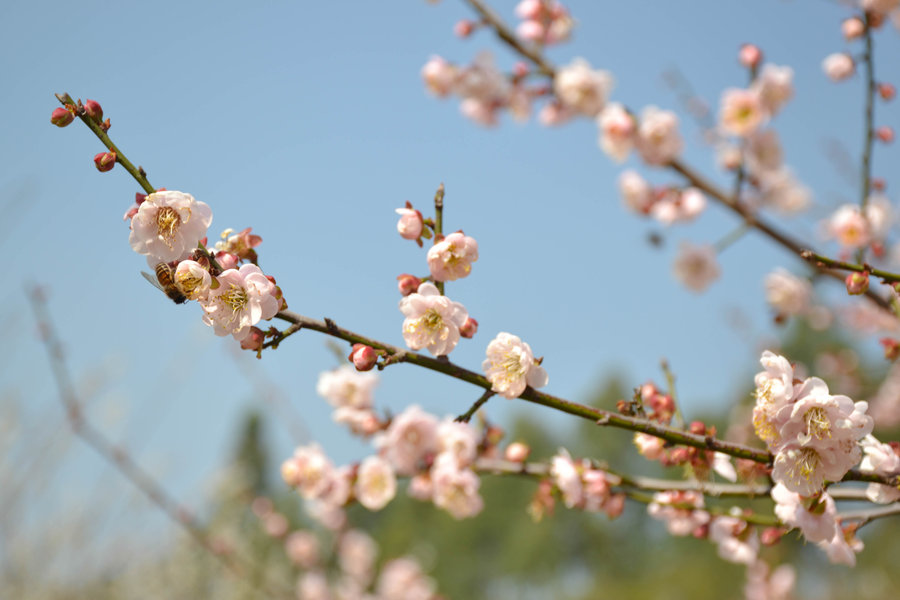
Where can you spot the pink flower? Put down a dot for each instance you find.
(649, 446)
(309, 470)
(881, 459)
(402, 578)
(455, 489)
(636, 192)
(658, 140)
(617, 131)
(345, 386)
(440, 76)
(458, 440)
(581, 88)
(838, 66)
(432, 321)
(517, 452)
(787, 293)
(410, 440)
(815, 517)
(761, 585)
(244, 297)
(302, 548)
(674, 206)
(356, 555)
(774, 86)
(842, 548)
(510, 366)
(376, 484)
(168, 225)
(567, 478)
(696, 267)
(681, 511)
(741, 112)
(192, 279)
(410, 224)
(451, 258)
(737, 542)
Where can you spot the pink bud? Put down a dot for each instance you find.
(885, 134)
(517, 452)
(105, 161)
(363, 357)
(887, 91)
(698, 428)
(614, 506)
(464, 28)
(771, 536)
(852, 28)
(520, 69)
(407, 284)
(61, 117)
(254, 340)
(93, 110)
(857, 283)
(891, 348)
(878, 184)
(750, 55)
(410, 224)
(226, 260)
(532, 31)
(469, 328)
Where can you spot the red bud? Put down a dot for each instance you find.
(105, 161)
(61, 117)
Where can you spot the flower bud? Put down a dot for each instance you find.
(464, 28)
(410, 224)
(363, 357)
(885, 134)
(254, 340)
(93, 110)
(891, 348)
(226, 260)
(61, 117)
(771, 536)
(517, 452)
(698, 428)
(857, 283)
(105, 161)
(886, 91)
(750, 56)
(407, 284)
(878, 184)
(852, 28)
(469, 328)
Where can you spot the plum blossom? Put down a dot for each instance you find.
(192, 280)
(376, 484)
(455, 489)
(815, 517)
(696, 267)
(356, 555)
(882, 459)
(581, 88)
(741, 112)
(838, 66)
(879, 216)
(617, 129)
(403, 579)
(673, 205)
(849, 227)
(458, 440)
(451, 258)
(432, 320)
(302, 548)
(843, 547)
(780, 191)
(788, 294)
(682, 511)
(567, 478)
(658, 140)
(510, 366)
(737, 541)
(774, 86)
(345, 386)
(763, 152)
(309, 470)
(313, 585)
(410, 224)
(410, 439)
(168, 225)
(440, 76)
(763, 585)
(243, 298)
(636, 192)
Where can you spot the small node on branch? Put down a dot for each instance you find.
(330, 325)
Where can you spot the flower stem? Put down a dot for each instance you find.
(439, 225)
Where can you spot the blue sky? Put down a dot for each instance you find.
(309, 122)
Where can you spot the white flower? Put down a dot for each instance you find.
(410, 438)
(696, 267)
(881, 459)
(658, 139)
(454, 489)
(402, 579)
(309, 470)
(347, 387)
(636, 192)
(356, 554)
(376, 484)
(459, 440)
(763, 586)
(567, 478)
(168, 225)
(671, 507)
(617, 130)
(737, 543)
(244, 297)
(775, 87)
(581, 88)
(842, 548)
(838, 66)
(510, 366)
(432, 321)
(452, 258)
(787, 293)
(192, 280)
(741, 111)
(817, 525)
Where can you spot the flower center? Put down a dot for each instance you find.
(432, 320)
(167, 222)
(807, 462)
(817, 423)
(188, 283)
(235, 299)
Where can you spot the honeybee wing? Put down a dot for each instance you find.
(153, 281)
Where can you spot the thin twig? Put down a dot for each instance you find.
(467, 416)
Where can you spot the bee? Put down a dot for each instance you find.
(165, 281)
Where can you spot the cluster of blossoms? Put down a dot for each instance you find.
(436, 323)
(585, 487)
(344, 566)
(169, 228)
(544, 21)
(813, 434)
(666, 204)
(660, 407)
(437, 455)
(655, 135)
